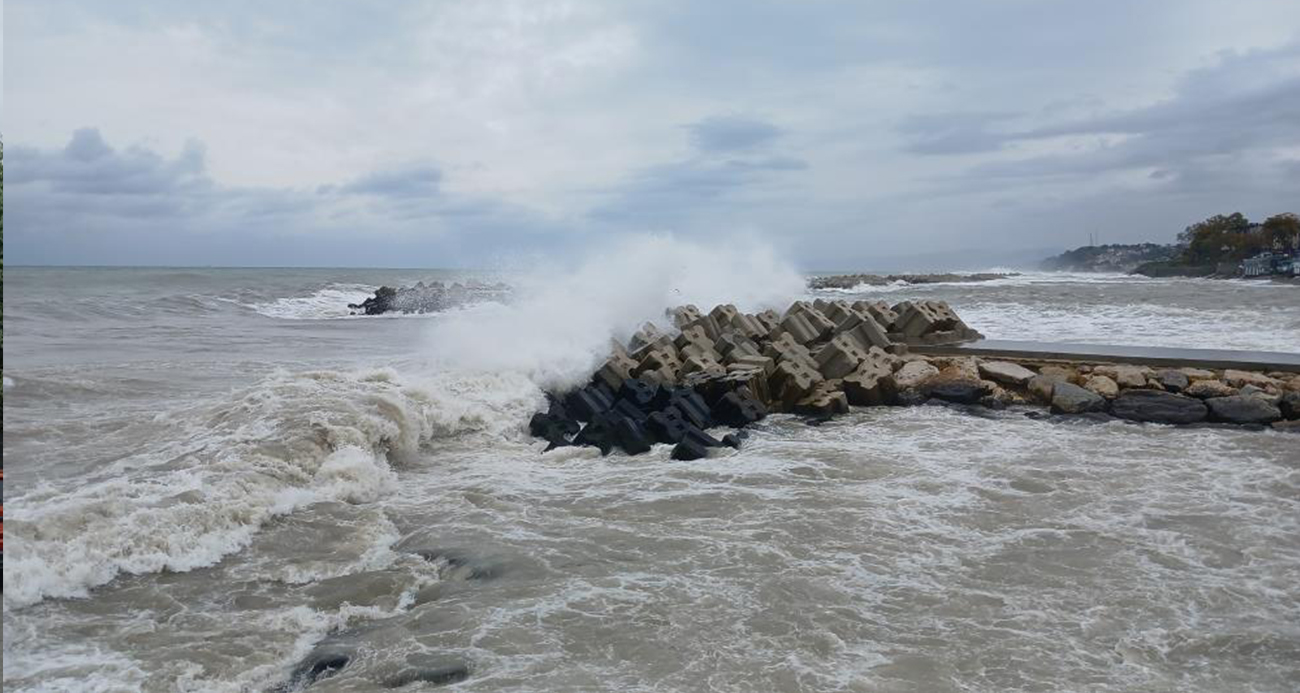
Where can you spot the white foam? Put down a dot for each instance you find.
(328, 303)
(290, 442)
(8, 382)
(560, 324)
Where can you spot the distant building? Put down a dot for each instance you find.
(1266, 264)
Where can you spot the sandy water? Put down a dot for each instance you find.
(213, 474)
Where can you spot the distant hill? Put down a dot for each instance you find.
(1110, 258)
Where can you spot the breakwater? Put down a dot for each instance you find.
(850, 281)
(729, 368)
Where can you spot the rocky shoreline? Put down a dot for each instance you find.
(850, 281)
(728, 368)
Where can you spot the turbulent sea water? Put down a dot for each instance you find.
(215, 475)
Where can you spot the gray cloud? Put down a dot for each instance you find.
(731, 133)
(462, 129)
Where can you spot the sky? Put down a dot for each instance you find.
(910, 134)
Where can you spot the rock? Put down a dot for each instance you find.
(1102, 385)
(428, 298)
(434, 676)
(1040, 388)
(732, 440)
(1172, 380)
(959, 366)
(1068, 398)
(954, 384)
(1005, 372)
(1266, 395)
(1286, 426)
(912, 374)
(1124, 376)
(1238, 379)
(1242, 409)
(323, 662)
(1293, 384)
(738, 410)
(1194, 374)
(1061, 373)
(822, 403)
(1206, 389)
(597, 434)
(1289, 405)
(1156, 406)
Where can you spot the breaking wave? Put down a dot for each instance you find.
(229, 468)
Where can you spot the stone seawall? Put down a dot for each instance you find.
(728, 368)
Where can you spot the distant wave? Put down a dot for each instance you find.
(328, 303)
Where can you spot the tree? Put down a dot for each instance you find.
(1282, 230)
(1217, 238)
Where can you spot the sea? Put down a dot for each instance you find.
(221, 480)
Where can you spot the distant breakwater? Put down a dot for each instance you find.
(850, 281)
(727, 368)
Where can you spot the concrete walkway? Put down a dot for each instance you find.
(1108, 353)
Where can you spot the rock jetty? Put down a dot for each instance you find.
(728, 368)
(428, 298)
(850, 281)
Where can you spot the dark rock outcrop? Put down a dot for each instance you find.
(1156, 406)
(1242, 409)
(428, 298)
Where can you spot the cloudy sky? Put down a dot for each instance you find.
(449, 133)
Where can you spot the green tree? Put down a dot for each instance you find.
(1282, 230)
(1218, 238)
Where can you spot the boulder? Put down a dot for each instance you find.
(823, 403)
(1068, 398)
(1194, 374)
(1242, 409)
(954, 384)
(1061, 373)
(1289, 405)
(1005, 372)
(1205, 389)
(1172, 380)
(1239, 379)
(1041, 386)
(1102, 385)
(694, 445)
(1124, 376)
(912, 374)
(1156, 406)
(1266, 395)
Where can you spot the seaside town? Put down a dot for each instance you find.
(1222, 246)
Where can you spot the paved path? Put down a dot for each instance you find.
(1152, 356)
